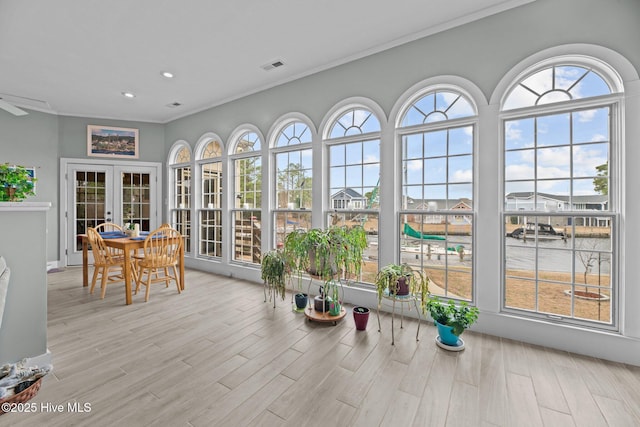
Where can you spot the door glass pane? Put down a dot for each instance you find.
(89, 199)
(136, 201)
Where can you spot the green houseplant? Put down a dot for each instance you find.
(274, 273)
(397, 277)
(329, 254)
(401, 283)
(15, 183)
(451, 319)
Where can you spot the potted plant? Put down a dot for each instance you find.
(401, 279)
(274, 271)
(297, 261)
(325, 252)
(361, 317)
(15, 183)
(331, 291)
(451, 321)
(301, 299)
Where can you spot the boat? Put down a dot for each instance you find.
(537, 230)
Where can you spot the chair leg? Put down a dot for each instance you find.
(139, 275)
(95, 279)
(134, 272)
(146, 294)
(177, 278)
(103, 286)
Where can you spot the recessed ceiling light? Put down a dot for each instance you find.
(167, 74)
(128, 95)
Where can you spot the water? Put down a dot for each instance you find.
(553, 255)
(556, 255)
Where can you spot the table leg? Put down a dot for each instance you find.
(127, 276)
(85, 262)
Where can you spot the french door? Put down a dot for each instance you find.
(127, 192)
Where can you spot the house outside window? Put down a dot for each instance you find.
(560, 215)
(436, 132)
(353, 143)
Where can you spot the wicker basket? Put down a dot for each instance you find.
(24, 396)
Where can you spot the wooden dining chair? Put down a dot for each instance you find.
(108, 263)
(138, 256)
(108, 226)
(161, 255)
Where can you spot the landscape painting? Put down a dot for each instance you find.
(104, 141)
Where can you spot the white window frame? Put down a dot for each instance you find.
(614, 102)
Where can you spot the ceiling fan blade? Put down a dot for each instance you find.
(12, 108)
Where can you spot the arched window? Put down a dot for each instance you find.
(180, 165)
(293, 179)
(436, 131)
(210, 216)
(353, 144)
(247, 196)
(556, 84)
(559, 129)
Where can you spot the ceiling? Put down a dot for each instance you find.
(76, 58)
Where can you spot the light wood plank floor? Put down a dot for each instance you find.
(217, 355)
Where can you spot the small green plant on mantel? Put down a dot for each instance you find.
(274, 271)
(15, 183)
(459, 317)
(388, 276)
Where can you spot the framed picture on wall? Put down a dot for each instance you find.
(107, 141)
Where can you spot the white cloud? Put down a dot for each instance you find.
(371, 158)
(557, 156)
(586, 158)
(513, 172)
(414, 165)
(586, 116)
(462, 176)
(552, 172)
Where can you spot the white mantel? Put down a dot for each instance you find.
(24, 206)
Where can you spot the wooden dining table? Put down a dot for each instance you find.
(127, 245)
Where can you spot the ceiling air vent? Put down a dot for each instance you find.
(174, 105)
(272, 65)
